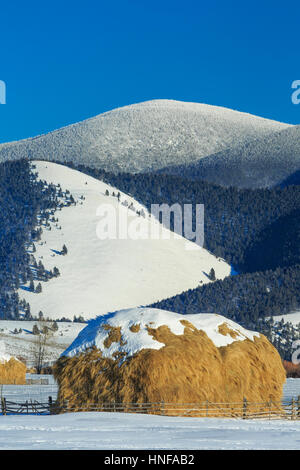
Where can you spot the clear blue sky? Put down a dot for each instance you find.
(65, 61)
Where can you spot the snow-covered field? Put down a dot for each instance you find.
(21, 393)
(103, 275)
(91, 431)
(291, 389)
(293, 318)
(21, 344)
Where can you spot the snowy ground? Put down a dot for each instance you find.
(21, 393)
(22, 344)
(93, 431)
(291, 389)
(293, 318)
(88, 431)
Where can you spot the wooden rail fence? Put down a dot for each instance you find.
(245, 410)
(26, 407)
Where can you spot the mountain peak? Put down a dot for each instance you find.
(145, 136)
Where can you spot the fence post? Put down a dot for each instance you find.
(3, 405)
(245, 404)
(50, 404)
(298, 407)
(162, 408)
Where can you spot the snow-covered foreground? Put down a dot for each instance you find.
(91, 431)
(87, 431)
(98, 276)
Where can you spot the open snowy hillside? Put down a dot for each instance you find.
(145, 136)
(262, 162)
(17, 339)
(293, 318)
(102, 275)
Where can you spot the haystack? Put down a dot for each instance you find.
(12, 371)
(148, 355)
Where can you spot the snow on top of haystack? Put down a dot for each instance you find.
(136, 339)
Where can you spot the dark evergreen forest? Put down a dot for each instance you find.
(25, 207)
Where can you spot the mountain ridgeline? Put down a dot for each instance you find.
(267, 161)
(200, 141)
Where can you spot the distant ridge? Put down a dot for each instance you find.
(272, 160)
(147, 136)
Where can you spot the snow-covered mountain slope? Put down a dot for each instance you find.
(134, 327)
(263, 162)
(293, 318)
(17, 339)
(98, 276)
(145, 136)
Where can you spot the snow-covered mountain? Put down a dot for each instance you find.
(262, 162)
(146, 136)
(98, 276)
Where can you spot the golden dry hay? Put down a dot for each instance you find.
(225, 330)
(189, 368)
(12, 372)
(114, 335)
(135, 328)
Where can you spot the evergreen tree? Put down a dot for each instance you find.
(212, 274)
(64, 250)
(56, 271)
(38, 288)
